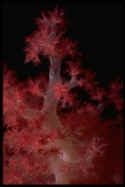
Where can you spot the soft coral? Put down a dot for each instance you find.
(49, 144)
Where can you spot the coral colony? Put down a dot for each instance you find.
(59, 128)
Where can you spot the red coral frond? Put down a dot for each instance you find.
(97, 147)
(67, 48)
(60, 90)
(45, 39)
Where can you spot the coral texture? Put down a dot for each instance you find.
(59, 130)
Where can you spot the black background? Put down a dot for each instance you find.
(97, 26)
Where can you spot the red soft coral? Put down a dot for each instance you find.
(55, 130)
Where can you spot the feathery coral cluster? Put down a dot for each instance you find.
(60, 131)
